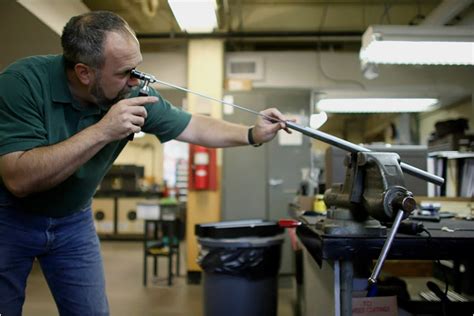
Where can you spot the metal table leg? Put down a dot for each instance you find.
(346, 280)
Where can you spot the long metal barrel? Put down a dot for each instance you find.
(353, 148)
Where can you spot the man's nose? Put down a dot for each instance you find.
(132, 82)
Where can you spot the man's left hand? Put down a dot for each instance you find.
(265, 130)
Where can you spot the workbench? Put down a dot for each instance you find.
(329, 261)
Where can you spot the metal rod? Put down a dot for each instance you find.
(308, 131)
(218, 100)
(386, 247)
(150, 78)
(327, 138)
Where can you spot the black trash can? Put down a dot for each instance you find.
(240, 260)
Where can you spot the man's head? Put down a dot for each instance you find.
(84, 36)
(101, 49)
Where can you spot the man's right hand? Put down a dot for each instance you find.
(125, 117)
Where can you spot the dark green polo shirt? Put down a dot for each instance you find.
(37, 109)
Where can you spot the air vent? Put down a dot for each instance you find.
(245, 68)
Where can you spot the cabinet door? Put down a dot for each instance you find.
(128, 223)
(103, 209)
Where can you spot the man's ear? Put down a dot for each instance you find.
(84, 73)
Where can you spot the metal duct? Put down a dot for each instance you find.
(446, 11)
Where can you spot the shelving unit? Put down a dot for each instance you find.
(182, 180)
(458, 170)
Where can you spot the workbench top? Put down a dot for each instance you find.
(456, 242)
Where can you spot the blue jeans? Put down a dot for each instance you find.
(68, 251)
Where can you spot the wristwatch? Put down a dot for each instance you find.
(250, 138)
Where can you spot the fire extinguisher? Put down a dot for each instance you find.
(201, 161)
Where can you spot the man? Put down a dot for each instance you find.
(63, 121)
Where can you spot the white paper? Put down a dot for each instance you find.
(293, 139)
(228, 109)
(148, 211)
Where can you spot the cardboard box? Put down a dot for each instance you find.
(306, 203)
(238, 84)
(375, 306)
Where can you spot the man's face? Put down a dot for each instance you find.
(98, 92)
(112, 82)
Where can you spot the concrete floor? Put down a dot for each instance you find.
(123, 263)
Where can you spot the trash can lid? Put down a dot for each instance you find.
(238, 229)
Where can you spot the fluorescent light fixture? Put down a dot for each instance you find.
(419, 45)
(376, 105)
(195, 16)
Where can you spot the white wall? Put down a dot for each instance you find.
(336, 72)
(169, 67)
(54, 13)
(332, 72)
(22, 34)
(340, 72)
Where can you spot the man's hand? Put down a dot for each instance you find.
(125, 117)
(265, 130)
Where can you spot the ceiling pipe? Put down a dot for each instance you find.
(446, 11)
(344, 35)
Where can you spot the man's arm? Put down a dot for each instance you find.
(42, 168)
(211, 132)
(39, 169)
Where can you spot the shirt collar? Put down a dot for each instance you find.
(59, 84)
